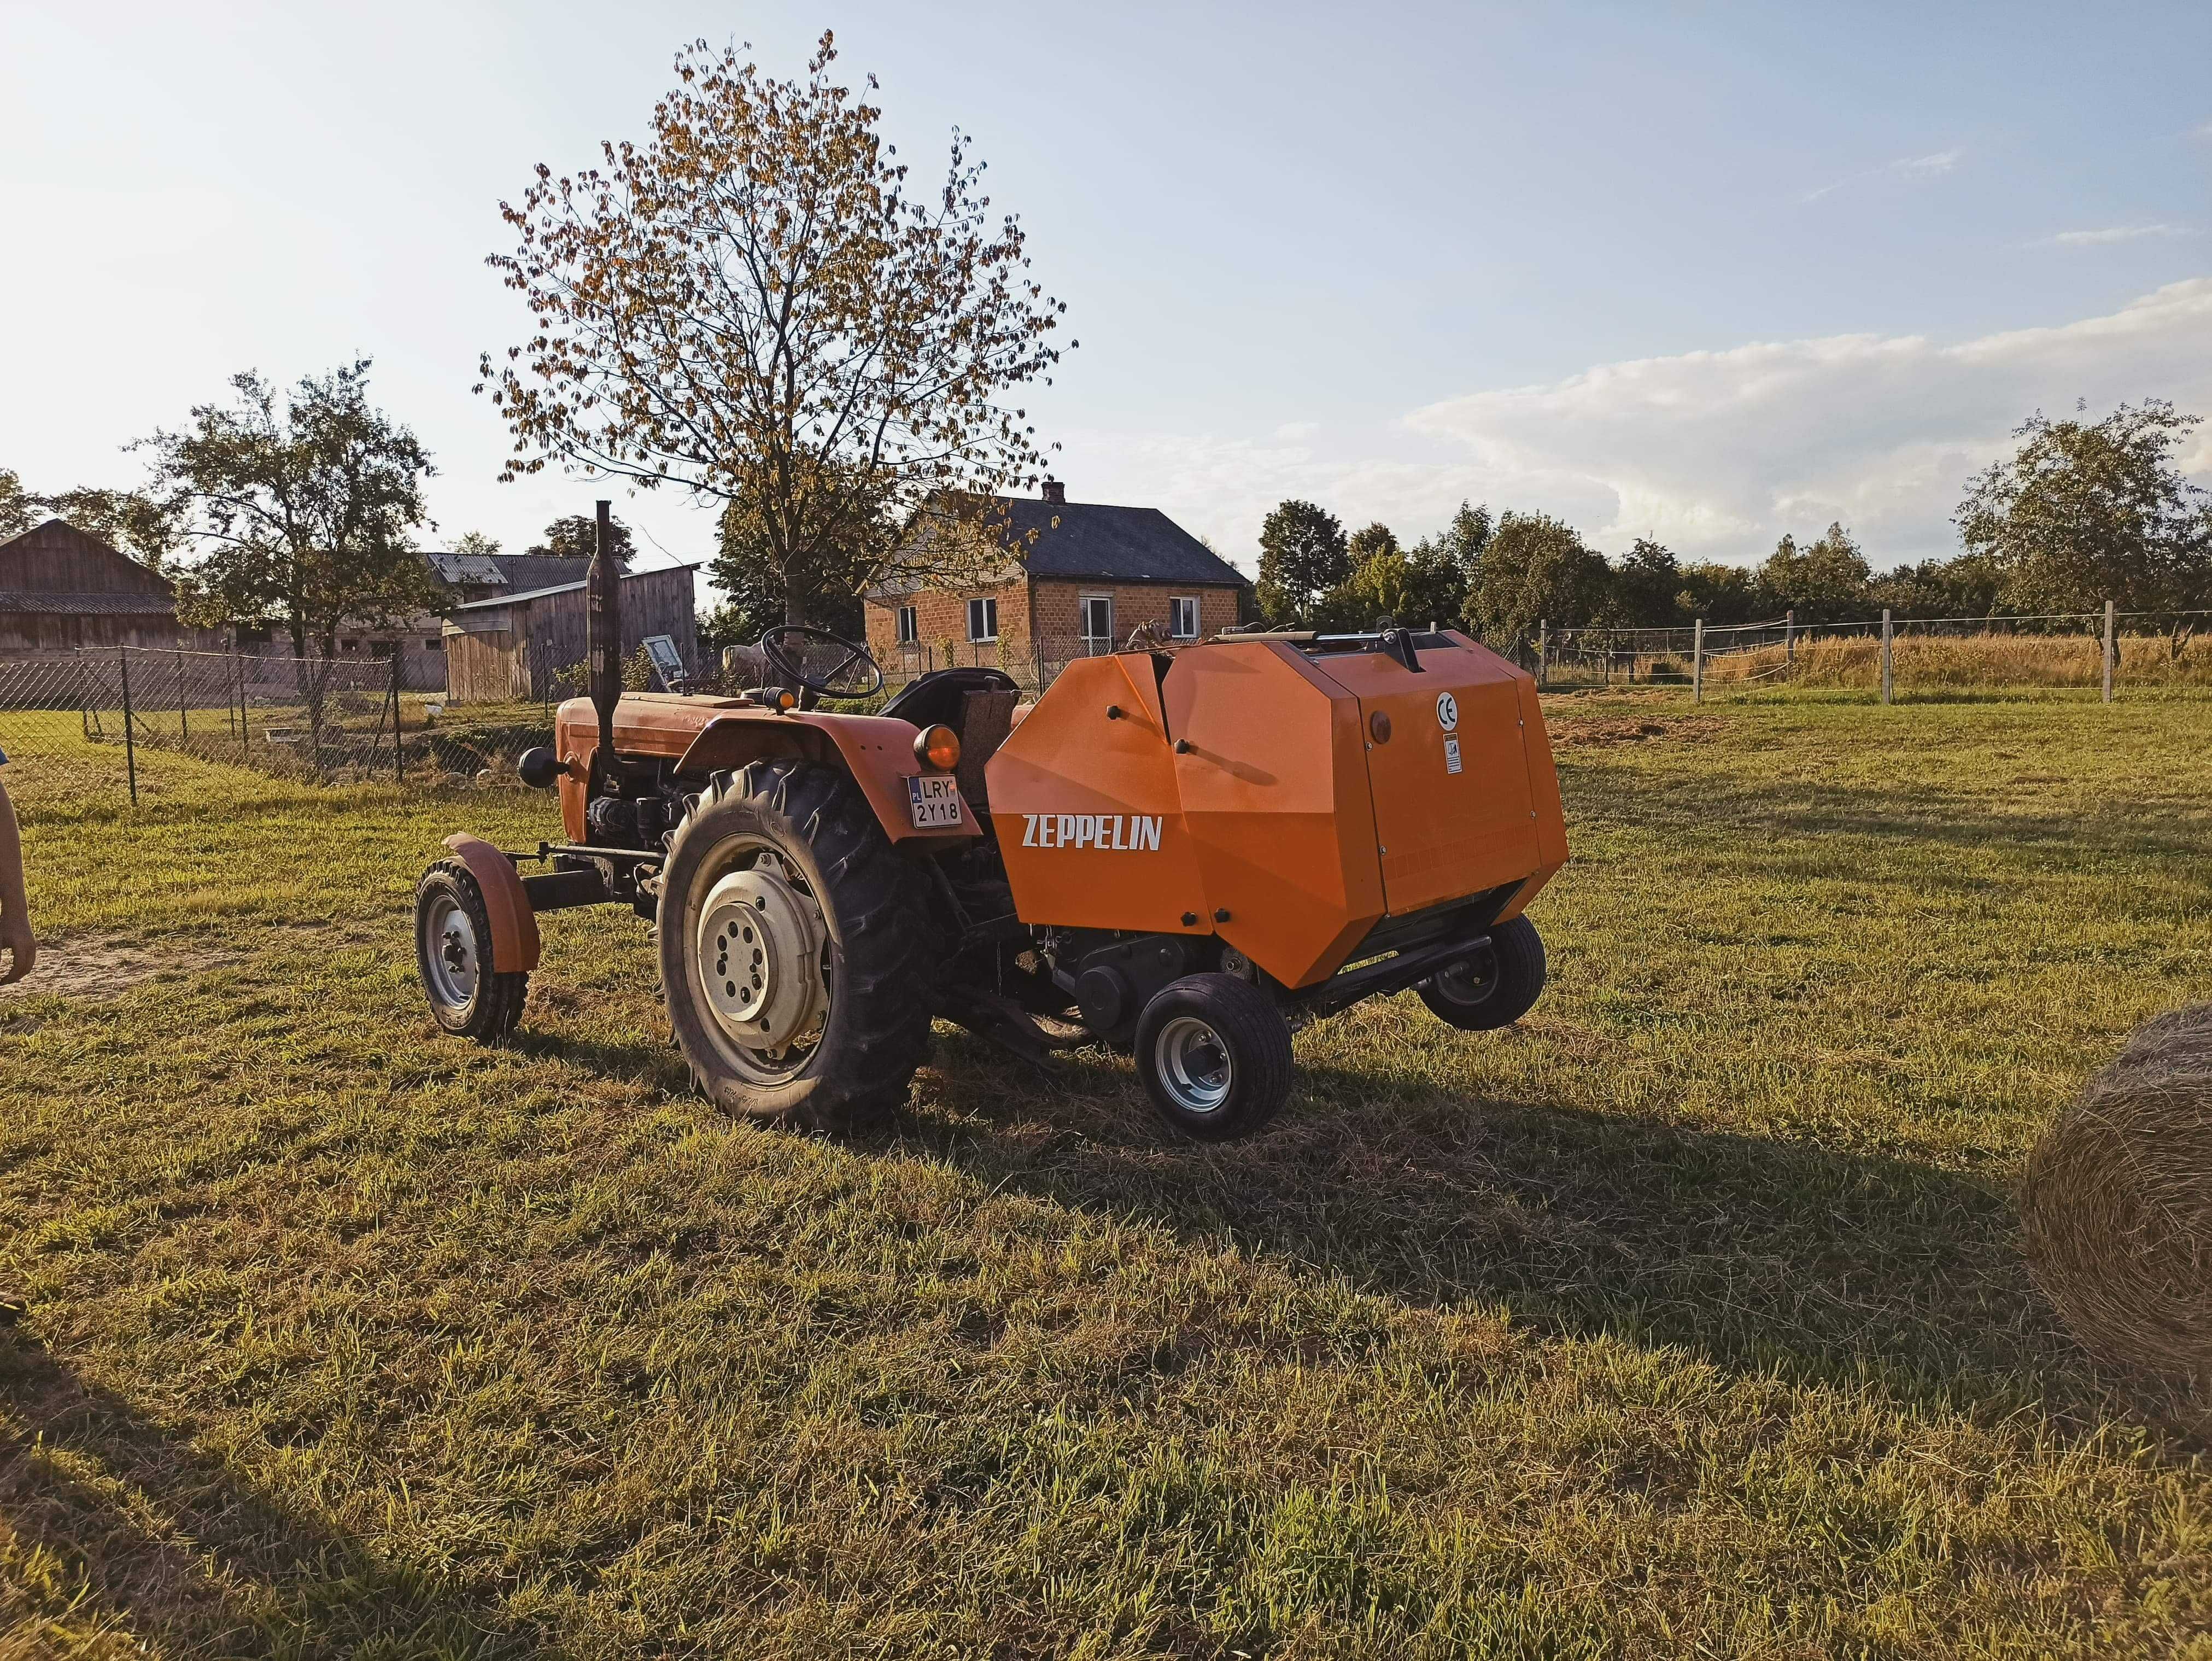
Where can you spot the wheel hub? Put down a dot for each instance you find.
(1193, 1064)
(759, 946)
(454, 959)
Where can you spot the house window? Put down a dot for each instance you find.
(909, 626)
(982, 620)
(435, 643)
(1182, 616)
(1099, 623)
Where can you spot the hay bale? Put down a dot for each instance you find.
(2116, 1204)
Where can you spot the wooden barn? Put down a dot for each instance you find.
(61, 590)
(514, 646)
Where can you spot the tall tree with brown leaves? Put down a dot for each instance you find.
(751, 306)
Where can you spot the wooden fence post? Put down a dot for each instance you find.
(1789, 641)
(1885, 655)
(1698, 662)
(1543, 652)
(2110, 643)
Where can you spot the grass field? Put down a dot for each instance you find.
(1686, 1320)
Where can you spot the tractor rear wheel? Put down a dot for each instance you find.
(1493, 987)
(1214, 1052)
(470, 995)
(794, 949)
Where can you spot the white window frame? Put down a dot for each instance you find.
(984, 608)
(1176, 604)
(909, 625)
(1091, 641)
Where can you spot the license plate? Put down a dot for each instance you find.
(933, 799)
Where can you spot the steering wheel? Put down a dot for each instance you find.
(817, 661)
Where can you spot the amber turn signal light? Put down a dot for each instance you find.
(938, 747)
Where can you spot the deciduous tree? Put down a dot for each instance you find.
(751, 306)
(300, 508)
(1534, 570)
(576, 536)
(1302, 554)
(1824, 581)
(19, 508)
(2086, 512)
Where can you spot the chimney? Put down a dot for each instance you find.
(1056, 491)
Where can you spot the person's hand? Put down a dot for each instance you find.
(22, 949)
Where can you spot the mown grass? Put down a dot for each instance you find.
(1686, 1319)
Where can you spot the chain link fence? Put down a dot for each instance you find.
(326, 721)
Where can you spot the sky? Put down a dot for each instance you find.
(1709, 273)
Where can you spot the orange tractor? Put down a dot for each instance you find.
(1177, 853)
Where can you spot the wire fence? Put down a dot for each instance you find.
(2107, 652)
(327, 721)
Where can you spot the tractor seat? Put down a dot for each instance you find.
(976, 704)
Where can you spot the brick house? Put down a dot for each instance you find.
(1091, 575)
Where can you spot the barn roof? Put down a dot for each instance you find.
(67, 605)
(57, 558)
(563, 588)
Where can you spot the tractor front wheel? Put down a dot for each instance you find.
(1493, 987)
(795, 949)
(1214, 1052)
(470, 995)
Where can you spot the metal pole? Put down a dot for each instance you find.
(1698, 662)
(602, 643)
(130, 738)
(398, 758)
(183, 721)
(1885, 633)
(2109, 644)
(245, 750)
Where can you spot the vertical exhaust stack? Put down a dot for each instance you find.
(603, 640)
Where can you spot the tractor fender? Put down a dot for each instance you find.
(878, 750)
(514, 943)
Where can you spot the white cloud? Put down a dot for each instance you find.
(2121, 234)
(1717, 453)
(1292, 431)
(1911, 166)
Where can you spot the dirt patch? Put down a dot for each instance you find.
(1590, 731)
(95, 968)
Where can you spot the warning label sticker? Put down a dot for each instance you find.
(1451, 755)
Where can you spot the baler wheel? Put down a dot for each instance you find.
(1214, 1052)
(470, 995)
(1494, 987)
(795, 948)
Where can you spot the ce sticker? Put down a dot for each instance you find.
(1447, 712)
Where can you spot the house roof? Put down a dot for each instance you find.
(523, 573)
(111, 603)
(1098, 541)
(561, 588)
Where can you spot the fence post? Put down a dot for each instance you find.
(1543, 653)
(1698, 662)
(1885, 655)
(2109, 644)
(398, 757)
(244, 748)
(1789, 641)
(183, 721)
(130, 738)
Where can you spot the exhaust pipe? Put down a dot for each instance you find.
(602, 643)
